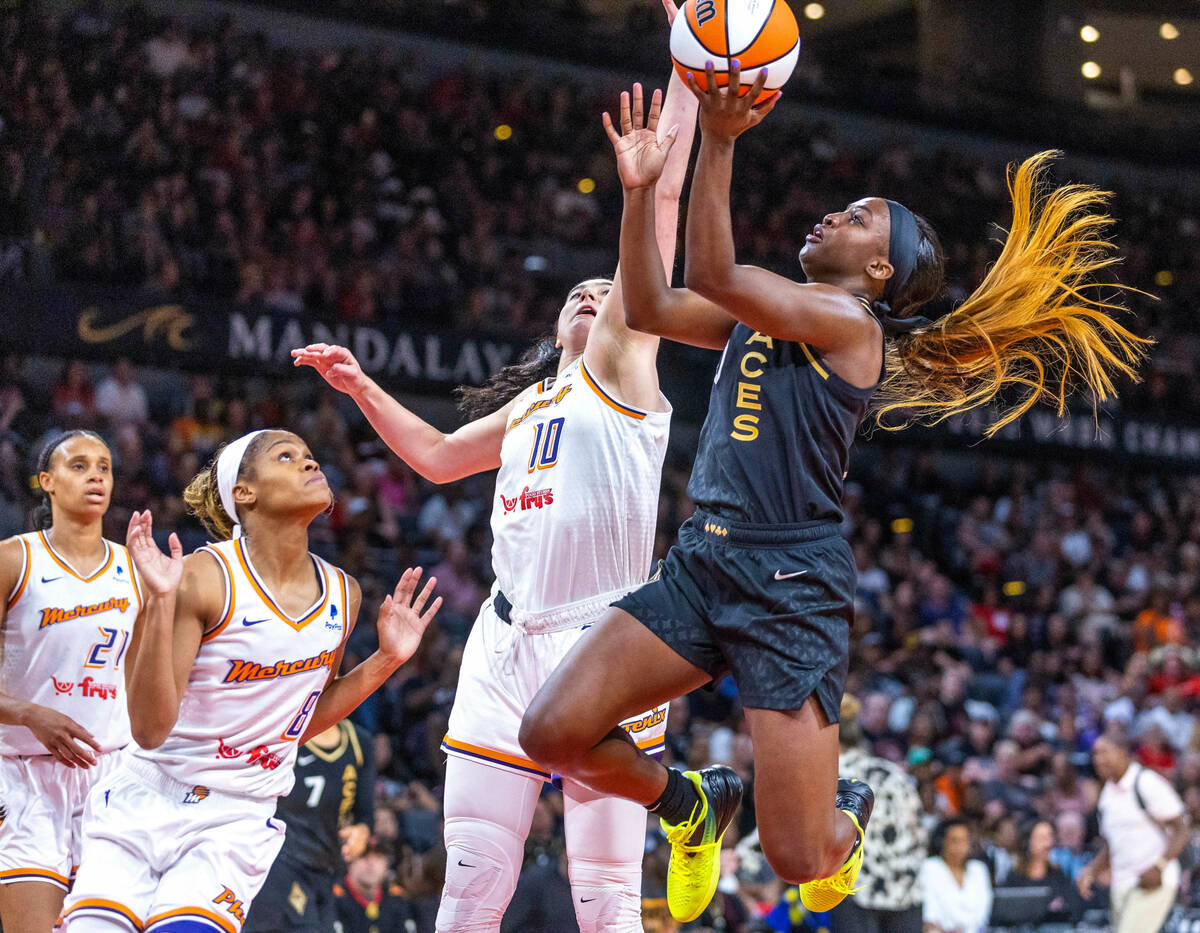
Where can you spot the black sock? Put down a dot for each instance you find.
(678, 799)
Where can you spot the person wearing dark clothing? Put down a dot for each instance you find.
(365, 900)
(328, 815)
(1035, 868)
(541, 902)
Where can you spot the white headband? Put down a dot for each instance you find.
(228, 465)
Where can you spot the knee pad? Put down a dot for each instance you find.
(482, 863)
(607, 895)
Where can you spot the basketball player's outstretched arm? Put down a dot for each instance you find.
(825, 316)
(651, 305)
(60, 734)
(403, 618)
(437, 456)
(620, 355)
(184, 598)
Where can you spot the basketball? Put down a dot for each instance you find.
(759, 33)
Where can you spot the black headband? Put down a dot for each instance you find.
(902, 254)
(902, 248)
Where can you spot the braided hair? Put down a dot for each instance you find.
(43, 514)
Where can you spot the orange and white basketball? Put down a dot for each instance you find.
(759, 33)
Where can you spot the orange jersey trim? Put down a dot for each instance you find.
(101, 903)
(608, 399)
(345, 606)
(228, 571)
(489, 754)
(71, 570)
(137, 590)
(220, 921)
(20, 587)
(34, 874)
(297, 624)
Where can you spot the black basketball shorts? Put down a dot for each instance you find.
(769, 604)
(294, 899)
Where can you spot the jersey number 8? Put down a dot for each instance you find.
(296, 729)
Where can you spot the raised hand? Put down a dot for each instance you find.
(61, 735)
(159, 573)
(401, 619)
(725, 115)
(336, 365)
(672, 11)
(640, 154)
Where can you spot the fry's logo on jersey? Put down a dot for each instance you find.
(261, 755)
(196, 794)
(539, 405)
(241, 671)
(528, 499)
(87, 688)
(54, 616)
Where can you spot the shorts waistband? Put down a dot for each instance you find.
(568, 615)
(747, 534)
(153, 776)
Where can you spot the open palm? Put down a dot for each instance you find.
(159, 572)
(641, 155)
(403, 618)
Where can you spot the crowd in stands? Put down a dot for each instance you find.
(1008, 613)
(348, 183)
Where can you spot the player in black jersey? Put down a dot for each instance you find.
(329, 815)
(761, 582)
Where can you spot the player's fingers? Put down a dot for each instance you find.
(710, 75)
(613, 137)
(655, 109)
(760, 82)
(767, 105)
(669, 140)
(735, 78)
(431, 612)
(672, 10)
(626, 119)
(639, 111)
(404, 588)
(175, 546)
(690, 80)
(423, 596)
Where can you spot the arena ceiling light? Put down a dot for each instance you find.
(1089, 33)
(1183, 76)
(814, 11)
(1168, 31)
(1090, 70)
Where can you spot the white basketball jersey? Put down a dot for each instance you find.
(254, 684)
(577, 493)
(64, 639)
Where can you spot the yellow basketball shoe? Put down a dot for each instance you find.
(695, 864)
(856, 800)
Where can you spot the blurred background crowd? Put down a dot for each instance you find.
(1008, 611)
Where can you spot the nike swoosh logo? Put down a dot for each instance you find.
(586, 900)
(51, 579)
(305, 759)
(252, 622)
(464, 864)
(788, 576)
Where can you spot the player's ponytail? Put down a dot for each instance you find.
(537, 363)
(1029, 331)
(43, 513)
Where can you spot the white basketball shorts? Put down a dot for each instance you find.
(156, 850)
(502, 669)
(41, 808)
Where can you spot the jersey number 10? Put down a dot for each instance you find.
(546, 439)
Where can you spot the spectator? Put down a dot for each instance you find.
(120, 398)
(366, 901)
(1071, 854)
(956, 890)
(1144, 827)
(74, 400)
(888, 898)
(1036, 868)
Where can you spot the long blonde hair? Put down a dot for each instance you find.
(1037, 322)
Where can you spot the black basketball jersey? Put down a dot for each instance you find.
(334, 788)
(775, 445)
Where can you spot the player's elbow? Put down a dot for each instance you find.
(705, 280)
(148, 736)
